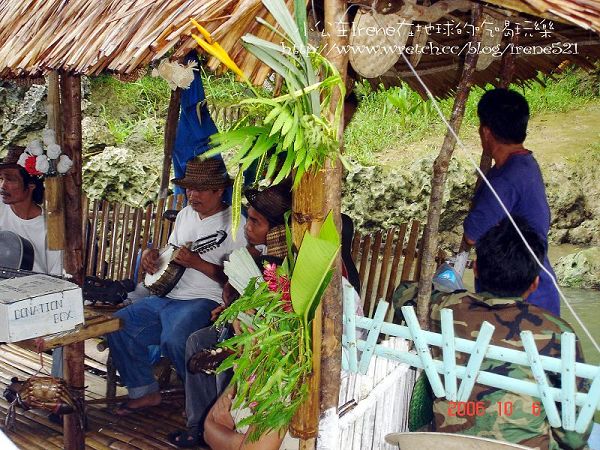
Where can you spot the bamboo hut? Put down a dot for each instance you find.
(68, 39)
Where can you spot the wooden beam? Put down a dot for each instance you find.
(170, 134)
(70, 85)
(54, 195)
(440, 170)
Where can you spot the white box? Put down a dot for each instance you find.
(37, 305)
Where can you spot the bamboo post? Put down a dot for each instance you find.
(53, 198)
(507, 72)
(440, 170)
(170, 133)
(315, 197)
(74, 437)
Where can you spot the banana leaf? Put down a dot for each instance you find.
(311, 270)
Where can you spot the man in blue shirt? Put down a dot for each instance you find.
(516, 177)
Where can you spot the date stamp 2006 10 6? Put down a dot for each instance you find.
(472, 409)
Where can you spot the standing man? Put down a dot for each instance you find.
(517, 179)
(168, 321)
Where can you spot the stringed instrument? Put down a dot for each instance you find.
(169, 272)
(16, 252)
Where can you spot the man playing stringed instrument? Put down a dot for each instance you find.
(265, 234)
(20, 212)
(168, 321)
(22, 194)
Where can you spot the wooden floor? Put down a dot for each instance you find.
(146, 430)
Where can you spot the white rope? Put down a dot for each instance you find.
(484, 178)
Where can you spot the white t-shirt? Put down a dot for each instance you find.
(188, 228)
(34, 230)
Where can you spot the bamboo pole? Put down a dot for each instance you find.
(70, 85)
(331, 345)
(440, 170)
(316, 196)
(54, 195)
(170, 133)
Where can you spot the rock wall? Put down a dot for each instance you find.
(580, 270)
(127, 174)
(22, 113)
(397, 195)
(378, 197)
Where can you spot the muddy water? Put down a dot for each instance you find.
(586, 303)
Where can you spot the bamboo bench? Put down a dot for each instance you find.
(117, 233)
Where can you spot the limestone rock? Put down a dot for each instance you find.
(119, 174)
(96, 135)
(395, 196)
(22, 111)
(581, 269)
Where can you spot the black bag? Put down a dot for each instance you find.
(112, 292)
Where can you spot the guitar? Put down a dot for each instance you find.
(169, 272)
(16, 252)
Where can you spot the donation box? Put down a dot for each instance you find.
(37, 305)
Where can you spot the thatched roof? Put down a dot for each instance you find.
(125, 36)
(120, 36)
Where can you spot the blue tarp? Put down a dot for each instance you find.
(192, 134)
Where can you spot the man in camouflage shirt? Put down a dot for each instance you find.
(507, 274)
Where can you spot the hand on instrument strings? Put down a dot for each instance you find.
(215, 313)
(150, 260)
(187, 258)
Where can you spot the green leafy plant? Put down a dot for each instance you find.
(273, 353)
(296, 133)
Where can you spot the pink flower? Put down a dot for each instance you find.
(252, 378)
(253, 405)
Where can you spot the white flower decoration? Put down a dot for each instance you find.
(64, 164)
(35, 148)
(42, 164)
(53, 151)
(176, 74)
(48, 137)
(23, 158)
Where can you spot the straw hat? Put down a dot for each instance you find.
(271, 202)
(10, 160)
(204, 175)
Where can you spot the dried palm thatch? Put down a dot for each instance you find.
(119, 36)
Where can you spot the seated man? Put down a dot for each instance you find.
(507, 274)
(265, 233)
(170, 320)
(20, 212)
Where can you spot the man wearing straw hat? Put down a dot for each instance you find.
(265, 234)
(22, 194)
(169, 320)
(20, 211)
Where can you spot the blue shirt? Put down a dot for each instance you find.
(520, 185)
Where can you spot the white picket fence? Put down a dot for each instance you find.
(375, 404)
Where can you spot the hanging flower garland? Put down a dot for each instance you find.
(45, 157)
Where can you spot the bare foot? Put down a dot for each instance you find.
(136, 404)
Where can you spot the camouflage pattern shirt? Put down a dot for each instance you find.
(500, 414)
